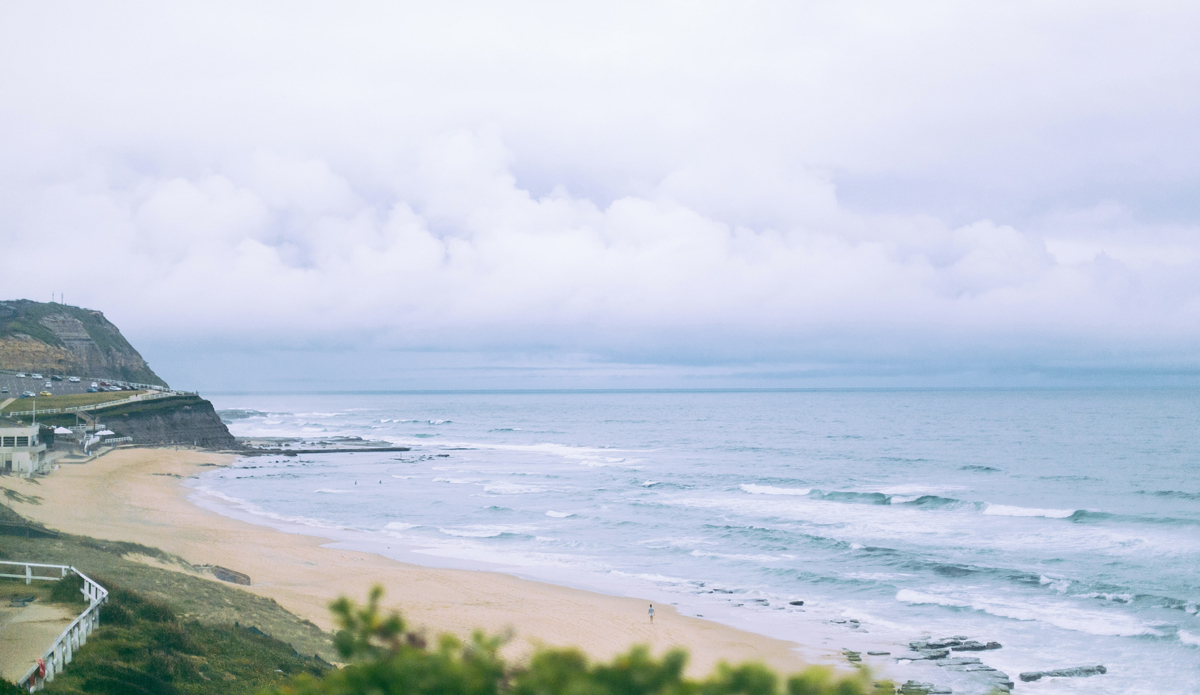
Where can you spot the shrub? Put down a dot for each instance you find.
(383, 659)
(69, 589)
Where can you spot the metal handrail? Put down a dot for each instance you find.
(63, 649)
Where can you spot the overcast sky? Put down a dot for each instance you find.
(506, 195)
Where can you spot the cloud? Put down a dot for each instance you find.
(647, 184)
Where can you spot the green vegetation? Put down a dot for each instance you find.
(383, 659)
(69, 400)
(188, 591)
(17, 588)
(144, 648)
(30, 314)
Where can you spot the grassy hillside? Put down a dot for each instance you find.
(190, 595)
(68, 401)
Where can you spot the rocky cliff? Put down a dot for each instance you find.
(189, 420)
(59, 339)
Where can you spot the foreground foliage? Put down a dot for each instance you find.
(383, 659)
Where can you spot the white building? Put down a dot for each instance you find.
(21, 451)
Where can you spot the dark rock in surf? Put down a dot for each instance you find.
(1076, 672)
(973, 646)
(918, 688)
(795, 603)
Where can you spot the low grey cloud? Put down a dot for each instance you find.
(643, 185)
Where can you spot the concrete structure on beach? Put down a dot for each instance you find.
(21, 451)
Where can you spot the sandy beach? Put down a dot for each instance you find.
(138, 495)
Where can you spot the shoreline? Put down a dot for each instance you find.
(141, 496)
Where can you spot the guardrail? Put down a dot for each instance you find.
(107, 404)
(63, 649)
(117, 440)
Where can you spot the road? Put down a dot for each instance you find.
(15, 385)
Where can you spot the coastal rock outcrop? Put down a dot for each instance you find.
(938, 651)
(1074, 672)
(187, 420)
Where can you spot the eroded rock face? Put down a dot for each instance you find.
(187, 420)
(60, 339)
(1074, 672)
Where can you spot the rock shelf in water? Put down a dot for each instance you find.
(1075, 672)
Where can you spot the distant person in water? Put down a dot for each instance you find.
(651, 612)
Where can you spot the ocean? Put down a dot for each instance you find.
(1064, 524)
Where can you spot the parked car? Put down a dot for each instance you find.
(3, 389)
(74, 380)
(112, 388)
(95, 385)
(93, 389)
(28, 394)
(56, 377)
(36, 376)
(45, 393)
(20, 375)
(49, 384)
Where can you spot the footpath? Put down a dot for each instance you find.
(26, 632)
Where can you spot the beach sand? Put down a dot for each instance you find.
(137, 495)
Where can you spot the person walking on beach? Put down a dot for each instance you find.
(651, 612)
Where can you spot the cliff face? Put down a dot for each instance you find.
(59, 339)
(189, 420)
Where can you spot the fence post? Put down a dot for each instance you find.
(28, 574)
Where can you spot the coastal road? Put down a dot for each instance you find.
(58, 388)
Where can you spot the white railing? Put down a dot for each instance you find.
(60, 653)
(117, 440)
(105, 404)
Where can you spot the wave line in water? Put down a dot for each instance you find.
(771, 490)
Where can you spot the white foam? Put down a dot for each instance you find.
(399, 526)
(1058, 614)
(759, 557)
(332, 491)
(1006, 510)
(770, 490)
(918, 598)
(511, 489)
(1189, 639)
(482, 531)
(559, 515)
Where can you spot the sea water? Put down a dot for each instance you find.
(1064, 524)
